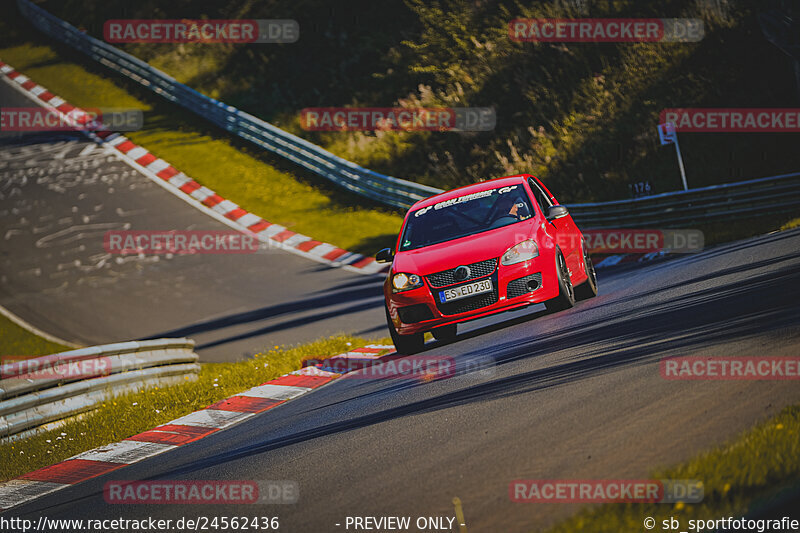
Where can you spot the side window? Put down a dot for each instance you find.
(540, 196)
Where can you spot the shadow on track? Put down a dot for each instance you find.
(741, 308)
(368, 296)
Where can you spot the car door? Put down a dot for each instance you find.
(568, 236)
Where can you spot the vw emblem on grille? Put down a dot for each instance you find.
(461, 273)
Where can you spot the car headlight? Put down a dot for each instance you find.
(520, 252)
(404, 282)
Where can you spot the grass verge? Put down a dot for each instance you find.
(735, 476)
(134, 412)
(16, 340)
(238, 171)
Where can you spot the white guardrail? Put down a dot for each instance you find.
(675, 209)
(39, 390)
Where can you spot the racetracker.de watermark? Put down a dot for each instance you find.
(413, 367)
(606, 491)
(632, 241)
(88, 119)
(181, 492)
(608, 30)
(739, 120)
(612, 241)
(125, 242)
(730, 368)
(53, 367)
(398, 119)
(201, 31)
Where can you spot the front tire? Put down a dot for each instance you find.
(404, 344)
(587, 289)
(566, 292)
(445, 333)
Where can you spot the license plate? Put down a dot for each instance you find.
(479, 287)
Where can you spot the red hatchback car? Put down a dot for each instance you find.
(495, 246)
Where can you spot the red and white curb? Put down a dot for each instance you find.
(178, 432)
(203, 198)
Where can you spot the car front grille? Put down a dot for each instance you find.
(519, 286)
(471, 303)
(445, 278)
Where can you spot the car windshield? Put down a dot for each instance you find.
(465, 215)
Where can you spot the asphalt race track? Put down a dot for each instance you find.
(573, 395)
(60, 193)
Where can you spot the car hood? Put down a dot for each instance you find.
(463, 251)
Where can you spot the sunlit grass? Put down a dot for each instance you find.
(15, 340)
(794, 223)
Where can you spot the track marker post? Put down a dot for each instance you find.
(668, 135)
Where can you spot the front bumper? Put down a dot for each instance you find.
(420, 310)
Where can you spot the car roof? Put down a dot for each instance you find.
(467, 189)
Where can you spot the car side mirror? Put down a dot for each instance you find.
(384, 256)
(556, 211)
